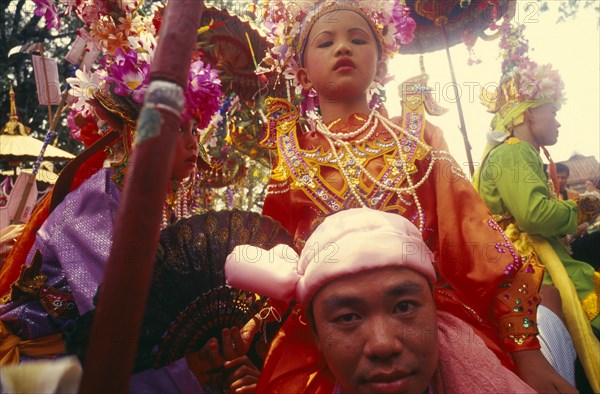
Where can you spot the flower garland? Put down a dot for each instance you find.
(128, 40)
(535, 82)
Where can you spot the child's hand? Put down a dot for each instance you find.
(241, 376)
(536, 371)
(236, 341)
(588, 207)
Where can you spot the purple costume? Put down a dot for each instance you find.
(75, 242)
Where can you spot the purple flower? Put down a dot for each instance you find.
(47, 9)
(203, 94)
(127, 77)
(405, 25)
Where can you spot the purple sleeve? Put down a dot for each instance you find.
(74, 242)
(174, 378)
(78, 234)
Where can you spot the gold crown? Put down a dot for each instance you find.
(496, 99)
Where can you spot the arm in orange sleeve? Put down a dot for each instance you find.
(476, 259)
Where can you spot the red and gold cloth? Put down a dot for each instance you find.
(481, 278)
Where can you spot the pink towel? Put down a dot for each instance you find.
(466, 365)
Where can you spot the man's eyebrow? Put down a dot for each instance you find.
(408, 287)
(341, 301)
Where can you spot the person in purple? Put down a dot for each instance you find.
(65, 270)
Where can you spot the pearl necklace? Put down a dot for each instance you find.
(338, 139)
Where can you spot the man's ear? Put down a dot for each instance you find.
(315, 335)
(527, 118)
(380, 71)
(309, 317)
(302, 77)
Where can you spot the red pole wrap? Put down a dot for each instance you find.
(117, 322)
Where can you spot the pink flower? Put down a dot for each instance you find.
(47, 9)
(203, 94)
(74, 130)
(127, 76)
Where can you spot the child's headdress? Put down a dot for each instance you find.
(109, 96)
(524, 84)
(288, 24)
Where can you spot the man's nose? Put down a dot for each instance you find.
(383, 339)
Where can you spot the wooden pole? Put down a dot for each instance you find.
(119, 313)
(463, 127)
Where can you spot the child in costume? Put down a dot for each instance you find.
(385, 338)
(354, 155)
(74, 243)
(67, 261)
(513, 184)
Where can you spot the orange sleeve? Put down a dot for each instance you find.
(477, 261)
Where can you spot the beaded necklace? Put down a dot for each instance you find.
(177, 201)
(341, 139)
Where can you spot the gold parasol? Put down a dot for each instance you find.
(18, 148)
(16, 145)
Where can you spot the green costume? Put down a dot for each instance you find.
(512, 182)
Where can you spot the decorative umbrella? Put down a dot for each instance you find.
(18, 148)
(443, 23)
(232, 43)
(16, 145)
(458, 18)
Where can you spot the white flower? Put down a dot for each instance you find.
(144, 45)
(85, 84)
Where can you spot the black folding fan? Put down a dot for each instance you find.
(189, 302)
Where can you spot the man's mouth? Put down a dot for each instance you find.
(388, 382)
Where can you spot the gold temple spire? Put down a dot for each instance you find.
(13, 126)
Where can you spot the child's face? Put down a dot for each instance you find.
(543, 125)
(340, 57)
(186, 152)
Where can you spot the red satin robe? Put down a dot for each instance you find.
(479, 273)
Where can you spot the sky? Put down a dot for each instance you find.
(572, 47)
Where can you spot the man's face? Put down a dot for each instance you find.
(563, 177)
(377, 331)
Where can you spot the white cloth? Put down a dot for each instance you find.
(43, 376)
(556, 343)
